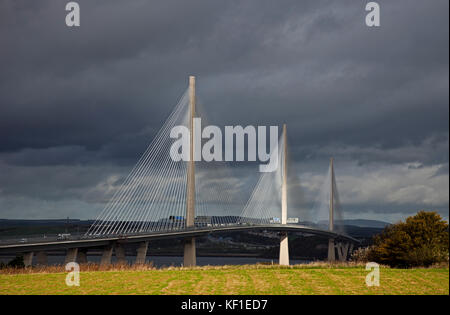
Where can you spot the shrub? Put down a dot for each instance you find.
(361, 254)
(422, 240)
(17, 262)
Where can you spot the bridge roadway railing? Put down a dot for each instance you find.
(27, 241)
(34, 238)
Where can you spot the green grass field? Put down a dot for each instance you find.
(233, 280)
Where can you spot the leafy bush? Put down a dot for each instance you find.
(422, 240)
(361, 254)
(17, 262)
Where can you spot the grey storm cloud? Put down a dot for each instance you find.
(79, 105)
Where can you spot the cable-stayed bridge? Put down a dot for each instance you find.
(163, 197)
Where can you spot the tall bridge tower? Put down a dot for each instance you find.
(331, 246)
(189, 245)
(284, 248)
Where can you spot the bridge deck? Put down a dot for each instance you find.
(99, 241)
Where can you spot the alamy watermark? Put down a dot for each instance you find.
(73, 277)
(213, 147)
(73, 17)
(372, 18)
(373, 277)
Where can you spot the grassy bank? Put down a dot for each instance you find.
(259, 279)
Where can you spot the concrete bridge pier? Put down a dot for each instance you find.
(284, 250)
(28, 259)
(106, 256)
(41, 258)
(120, 254)
(141, 253)
(82, 256)
(71, 255)
(190, 257)
(344, 250)
(331, 250)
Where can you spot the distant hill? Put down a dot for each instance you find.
(359, 223)
(354, 222)
(15, 228)
(45, 222)
(364, 223)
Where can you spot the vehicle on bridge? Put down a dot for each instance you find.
(64, 236)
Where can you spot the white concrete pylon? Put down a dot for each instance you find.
(331, 245)
(189, 246)
(284, 246)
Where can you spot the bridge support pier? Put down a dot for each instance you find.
(82, 256)
(350, 250)
(331, 250)
(141, 253)
(284, 250)
(71, 255)
(41, 258)
(343, 250)
(106, 256)
(120, 254)
(190, 258)
(28, 259)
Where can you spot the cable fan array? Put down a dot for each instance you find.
(153, 196)
(264, 205)
(321, 207)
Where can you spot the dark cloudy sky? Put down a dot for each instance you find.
(79, 105)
